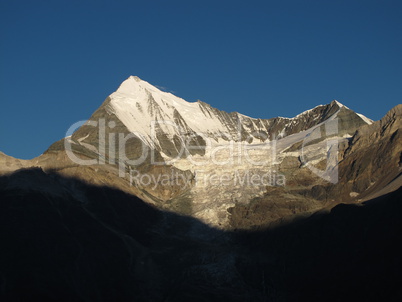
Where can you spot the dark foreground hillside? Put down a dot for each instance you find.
(64, 240)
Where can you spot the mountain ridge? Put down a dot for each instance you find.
(194, 143)
(164, 121)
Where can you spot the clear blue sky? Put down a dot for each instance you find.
(60, 59)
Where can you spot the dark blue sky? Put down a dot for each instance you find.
(60, 59)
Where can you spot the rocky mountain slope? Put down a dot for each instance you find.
(206, 156)
(369, 166)
(193, 159)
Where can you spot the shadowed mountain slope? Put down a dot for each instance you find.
(64, 240)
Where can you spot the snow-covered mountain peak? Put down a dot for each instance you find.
(364, 118)
(133, 85)
(340, 105)
(135, 78)
(136, 90)
(141, 106)
(145, 110)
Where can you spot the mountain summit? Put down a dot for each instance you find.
(165, 122)
(145, 132)
(194, 159)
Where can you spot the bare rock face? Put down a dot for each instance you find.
(372, 160)
(10, 164)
